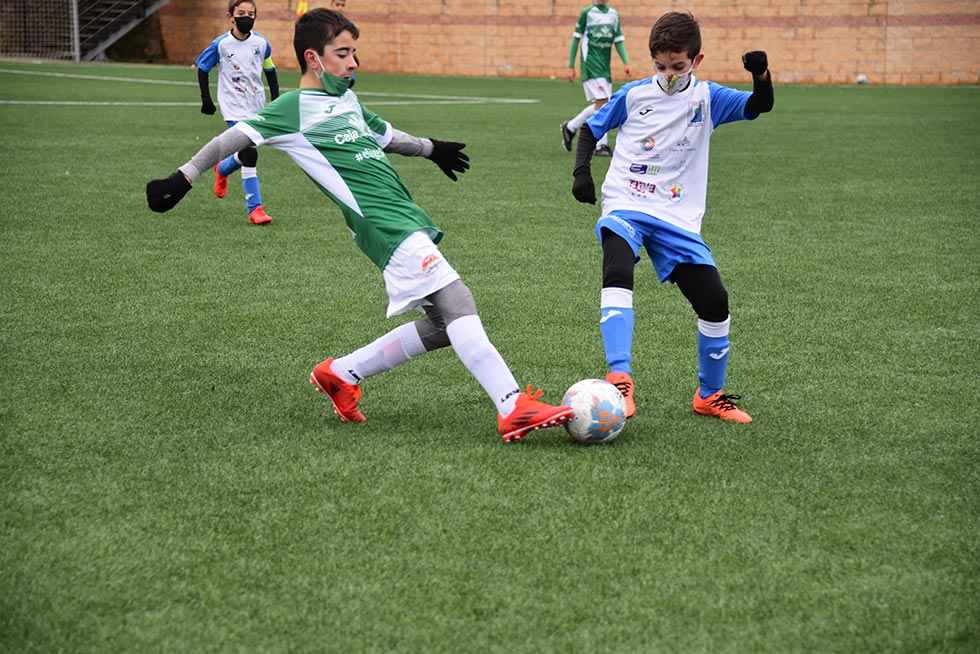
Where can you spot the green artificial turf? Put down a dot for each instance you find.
(169, 481)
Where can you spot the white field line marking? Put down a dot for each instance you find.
(144, 80)
(84, 103)
(107, 103)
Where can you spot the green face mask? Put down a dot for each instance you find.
(332, 84)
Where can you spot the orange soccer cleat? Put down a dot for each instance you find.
(220, 183)
(344, 396)
(624, 384)
(530, 414)
(258, 216)
(720, 406)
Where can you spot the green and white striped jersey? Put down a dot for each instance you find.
(598, 27)
(338, 144)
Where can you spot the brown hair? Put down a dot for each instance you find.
(676, 32)
(233, 4)
(318, 27)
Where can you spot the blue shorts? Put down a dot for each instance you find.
(666, 244)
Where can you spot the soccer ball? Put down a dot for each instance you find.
(600, 411)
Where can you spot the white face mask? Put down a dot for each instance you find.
(671, 83)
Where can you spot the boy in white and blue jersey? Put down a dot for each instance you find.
(654, 196)
(242, 55)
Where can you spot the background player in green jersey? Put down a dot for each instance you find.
(341, 147)
(598, 29)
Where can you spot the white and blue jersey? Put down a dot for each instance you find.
(241, 93)
(660, 163)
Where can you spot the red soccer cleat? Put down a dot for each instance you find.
(258, 216)
(343, 396)
(220, 183)
(530, 414)
(720, 406)
(624, 384)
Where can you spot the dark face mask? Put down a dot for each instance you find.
(244, 24)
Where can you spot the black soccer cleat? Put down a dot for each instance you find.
(567, 136)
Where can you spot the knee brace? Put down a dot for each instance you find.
(447, 304)
(248, 157)
(702, 287)
(618, 261)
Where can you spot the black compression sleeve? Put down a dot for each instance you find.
(762, 98)
(273, 79)
(202, 81)
(583, 153)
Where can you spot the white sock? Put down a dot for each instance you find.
(481, 358)
(582, 116)
(249, 171)
(388, 352)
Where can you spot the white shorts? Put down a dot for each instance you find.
(597, 89)
(416, 270)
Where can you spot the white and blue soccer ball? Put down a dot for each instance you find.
(600, 411)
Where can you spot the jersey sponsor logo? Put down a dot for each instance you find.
(347, 136)
(640, 189)
(697, 113)
(644, 169)
(684, 145)
(364, 155)
(676, 193)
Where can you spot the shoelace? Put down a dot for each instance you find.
(534, 395)
(726, 402)
(624, 387)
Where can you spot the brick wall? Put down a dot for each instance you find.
(808, 41)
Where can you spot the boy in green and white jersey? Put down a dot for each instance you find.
(598, 29)
(341, 147)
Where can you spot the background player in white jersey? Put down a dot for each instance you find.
(341, 147)
(241, 54)
(598, 29)
(654, 196)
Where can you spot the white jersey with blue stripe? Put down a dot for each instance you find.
(660, 163)
(241, 93)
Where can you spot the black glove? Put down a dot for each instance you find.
(583, 188)
(755, 62)
(449, 156)
(164, 194)
(273, 77)
(207, 107)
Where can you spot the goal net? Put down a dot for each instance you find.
(39, 28)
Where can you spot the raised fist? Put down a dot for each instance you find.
(755, 62)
